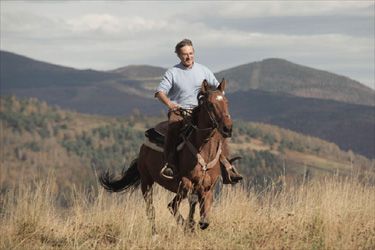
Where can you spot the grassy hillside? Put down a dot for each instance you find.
(324, 213)
(298, 191)
(37, 139)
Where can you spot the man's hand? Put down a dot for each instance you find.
(164, 99)
(173, 107)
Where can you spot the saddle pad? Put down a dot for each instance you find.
(155, 137)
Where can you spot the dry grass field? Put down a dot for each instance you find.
(323, 213)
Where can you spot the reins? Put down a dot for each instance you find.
(204, 166)
(202, 162)
(195, 127)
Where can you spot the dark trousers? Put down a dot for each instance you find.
(175, 122)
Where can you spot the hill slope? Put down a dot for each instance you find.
(272, 75)
(122, 91)
(140, 72)
(39, 138)
(22, 72)
(277, 75)
(86, 91)
(347, 125)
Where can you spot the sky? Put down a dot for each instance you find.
(335, 36)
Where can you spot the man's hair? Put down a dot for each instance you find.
(183, 43)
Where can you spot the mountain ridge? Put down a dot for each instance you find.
(279, 75)
(273, 74)
(22, 72)
(122, 91)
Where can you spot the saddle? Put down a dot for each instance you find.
(155, 137)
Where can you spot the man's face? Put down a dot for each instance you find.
(186, 56)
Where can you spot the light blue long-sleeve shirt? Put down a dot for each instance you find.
(182, 85)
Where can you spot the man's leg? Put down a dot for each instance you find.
(170, 147)
(229, 172)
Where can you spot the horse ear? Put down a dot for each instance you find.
(222, 85)
(205, 87)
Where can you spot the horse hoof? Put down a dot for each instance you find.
(180, 220)
(204, 224)
(190, 227)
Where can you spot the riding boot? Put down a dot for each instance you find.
(228, 171)
(169, 170)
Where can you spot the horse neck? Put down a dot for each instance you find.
(206, 141)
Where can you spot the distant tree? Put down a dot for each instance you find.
(33, 146)
(136, 112)
(269, 139)
(282, 146)
(131, 123)
(44, 131)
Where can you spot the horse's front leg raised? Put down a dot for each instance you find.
(205, 207)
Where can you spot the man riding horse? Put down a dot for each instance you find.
(178, 90)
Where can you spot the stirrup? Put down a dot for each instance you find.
(164, 176)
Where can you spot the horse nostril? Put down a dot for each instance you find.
(227, 130)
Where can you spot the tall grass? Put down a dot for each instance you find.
(324, 213)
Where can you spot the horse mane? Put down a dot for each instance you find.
(201, 97)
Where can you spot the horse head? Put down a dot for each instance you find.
(216, 105)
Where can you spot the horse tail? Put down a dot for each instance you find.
(129, 178)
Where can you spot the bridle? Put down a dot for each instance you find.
(215, 123)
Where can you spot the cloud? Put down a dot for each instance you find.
(106, 23)
(111, 24)
(332, 35)
(27, 24)
(254, 9)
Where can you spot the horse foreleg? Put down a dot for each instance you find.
(193, 200)
(150, 209)
(205, 207)
(173, 207)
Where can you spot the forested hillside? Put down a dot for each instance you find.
(38, 140)
(349, 126)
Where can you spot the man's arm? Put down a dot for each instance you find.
(162, 97)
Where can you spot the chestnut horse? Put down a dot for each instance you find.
(198, 162)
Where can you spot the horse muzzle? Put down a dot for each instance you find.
(226, 131)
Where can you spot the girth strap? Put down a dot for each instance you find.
(194, 151)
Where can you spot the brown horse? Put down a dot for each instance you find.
(198, 164)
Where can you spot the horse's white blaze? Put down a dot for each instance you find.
(219, 98)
